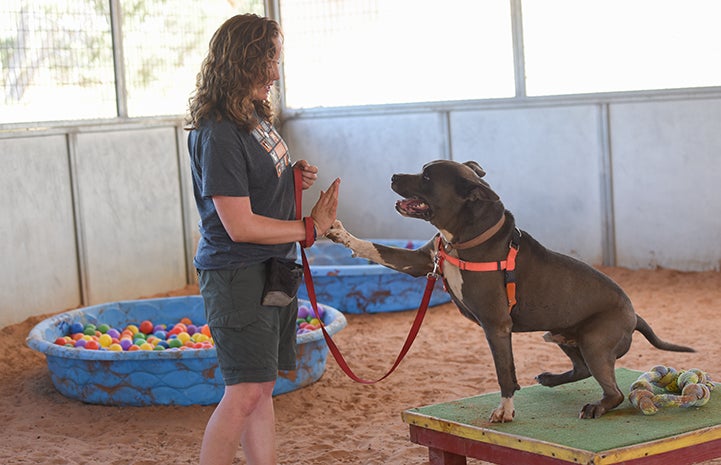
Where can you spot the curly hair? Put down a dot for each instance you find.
(237, 62)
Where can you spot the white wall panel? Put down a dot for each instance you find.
(39, 272)
(130, 212)
(545, 164)
(667, 173)
(365, 152)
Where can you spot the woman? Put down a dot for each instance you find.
(244, 192)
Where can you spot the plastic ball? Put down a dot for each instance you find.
(76, 328)
(114, 333)
(105, 340)
(205, 329)
(133, 329)
(160, 327)
(115, 347)
(304, 311)
(146, 327)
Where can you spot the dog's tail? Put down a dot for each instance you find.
(645, 329)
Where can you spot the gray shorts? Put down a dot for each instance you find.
(253, 341)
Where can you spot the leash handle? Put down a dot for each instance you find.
(337, 355)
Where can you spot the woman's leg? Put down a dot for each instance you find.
(244, 415)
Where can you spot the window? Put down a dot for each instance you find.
(164, 43)
(361, 52)
(57, 60)
(56, 56)
(576, 46)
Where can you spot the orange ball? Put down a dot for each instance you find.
(146, 327)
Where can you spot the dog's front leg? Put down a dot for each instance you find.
(417, 262)
(499, 340)
(360, 248)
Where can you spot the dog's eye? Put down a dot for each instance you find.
(426, 177)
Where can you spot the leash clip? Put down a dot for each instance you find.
(436, 266)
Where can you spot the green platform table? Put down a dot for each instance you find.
(547, 430)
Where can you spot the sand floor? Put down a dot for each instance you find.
(335, 420)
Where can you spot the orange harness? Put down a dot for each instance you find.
(508, 265)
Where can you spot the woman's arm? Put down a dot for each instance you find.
(242, 225)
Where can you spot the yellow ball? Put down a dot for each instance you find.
(105, 340)
(134, 329)
(146, 346)
(183, 337)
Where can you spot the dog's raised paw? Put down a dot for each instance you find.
(338, 234)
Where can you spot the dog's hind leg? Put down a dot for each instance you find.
(580, 369)
(601, 358)
(612, 395)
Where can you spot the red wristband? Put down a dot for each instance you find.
(309, 232)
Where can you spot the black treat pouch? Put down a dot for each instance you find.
(282, 280)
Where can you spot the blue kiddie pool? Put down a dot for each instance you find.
(355, 285)
(167, 377)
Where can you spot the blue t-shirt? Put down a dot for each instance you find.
(227, 160)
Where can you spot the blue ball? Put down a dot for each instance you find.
(76, 328)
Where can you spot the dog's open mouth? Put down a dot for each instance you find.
(413, 207)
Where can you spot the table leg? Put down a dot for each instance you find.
(442, 457)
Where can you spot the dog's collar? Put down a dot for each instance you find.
(479, 239)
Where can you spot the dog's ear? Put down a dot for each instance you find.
(483, 193)
(476, 168)
(478, 189)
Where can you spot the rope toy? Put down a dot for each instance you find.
(685, 388)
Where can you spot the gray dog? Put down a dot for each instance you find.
(505, 281)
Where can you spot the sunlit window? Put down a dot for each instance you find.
(57, 60)
(57, 57)
(574, 46)
(164, 44)
(392, 51)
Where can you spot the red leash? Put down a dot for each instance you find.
(314, 303)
